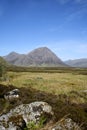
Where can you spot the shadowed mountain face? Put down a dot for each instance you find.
(38, 57)
(77, 63)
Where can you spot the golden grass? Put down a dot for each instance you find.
(56, 83)
(64, 91)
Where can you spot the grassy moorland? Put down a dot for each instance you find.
(52, 80)
(65, 89)
(57, 83)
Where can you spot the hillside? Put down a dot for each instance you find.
(77, 63)
(3, 62)
(38, 57)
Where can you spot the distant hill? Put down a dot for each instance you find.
(3, 62)
(77, 63)
(38, 57)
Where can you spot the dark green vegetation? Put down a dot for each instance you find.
(48, 69)
(3, 66)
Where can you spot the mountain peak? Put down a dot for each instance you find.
(13, 53)
(11, 57)
(42, 56)
(40, 49)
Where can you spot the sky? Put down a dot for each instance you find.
(60, 25)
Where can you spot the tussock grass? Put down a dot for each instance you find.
(57, 83)
(62, 89)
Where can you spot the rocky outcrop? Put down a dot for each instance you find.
(19, 117)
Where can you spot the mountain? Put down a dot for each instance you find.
(11, 57)
(38, 57)
(77, 63)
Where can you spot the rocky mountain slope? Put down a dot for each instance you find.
(77, 63)
(38, 57)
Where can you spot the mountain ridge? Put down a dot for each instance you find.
(82, 62)
(42, 56)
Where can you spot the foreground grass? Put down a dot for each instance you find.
(62, 104)
(65, 92)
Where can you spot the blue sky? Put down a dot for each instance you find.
(60, 25)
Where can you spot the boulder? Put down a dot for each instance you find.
(20, 116)
(66, 124)
(12, 95)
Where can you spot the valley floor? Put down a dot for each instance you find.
(65, 92)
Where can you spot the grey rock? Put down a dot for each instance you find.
(25, 113)
(12, 95)
(66, 124)
(84, 91)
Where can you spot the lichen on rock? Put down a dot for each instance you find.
(23, 114)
